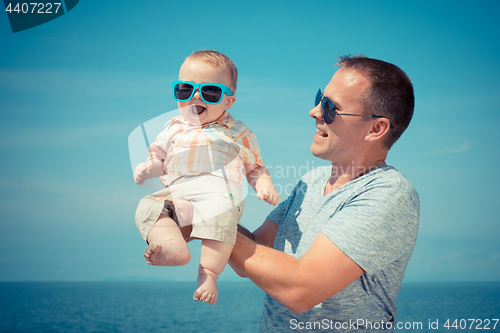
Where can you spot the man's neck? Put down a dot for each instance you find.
(344, 173)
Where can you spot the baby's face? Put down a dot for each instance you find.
(196, 111)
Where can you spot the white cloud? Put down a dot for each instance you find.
(451, 146)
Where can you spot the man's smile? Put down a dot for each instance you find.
(321, 133)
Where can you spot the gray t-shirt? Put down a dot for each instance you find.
(373, 220)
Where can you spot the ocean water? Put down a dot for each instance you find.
(127, 307)
(449, 307)
(168, 307)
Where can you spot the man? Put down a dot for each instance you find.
(343, 238)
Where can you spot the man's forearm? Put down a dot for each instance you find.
(246, 232)
(249, 235)
(278, 274)
(298, 284)
(273, 271)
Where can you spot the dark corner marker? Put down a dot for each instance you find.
(70, 4)
(25, 14)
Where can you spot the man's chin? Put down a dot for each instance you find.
(319, 153)
(315, 151)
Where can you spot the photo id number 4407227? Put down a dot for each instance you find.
(471, 324)
(34, 7)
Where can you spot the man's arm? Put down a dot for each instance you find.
(263, 235)
(266, 233)
(298, 284)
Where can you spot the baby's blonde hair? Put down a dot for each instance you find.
(217, 59)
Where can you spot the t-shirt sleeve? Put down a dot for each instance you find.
(376, 227)
(278, 213)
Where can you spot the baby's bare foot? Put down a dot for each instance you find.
(207, 288)
(167, 253)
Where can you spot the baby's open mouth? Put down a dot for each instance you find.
(198, 109)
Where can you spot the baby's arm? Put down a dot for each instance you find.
(259, 178)
(153, 167)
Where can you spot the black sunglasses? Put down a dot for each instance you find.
(329, 110)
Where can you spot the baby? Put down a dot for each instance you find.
(202, 157)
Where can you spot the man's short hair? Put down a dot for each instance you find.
(390, 94)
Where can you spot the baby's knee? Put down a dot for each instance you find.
(184, 256)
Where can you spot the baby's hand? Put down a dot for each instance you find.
(140, 173)
(151, 169)
(269, 195)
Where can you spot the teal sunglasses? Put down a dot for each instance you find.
(211, 93)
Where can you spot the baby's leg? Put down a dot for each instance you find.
(214, 257)
(167, 246)
(184, 210)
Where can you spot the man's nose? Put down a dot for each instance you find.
(316, 112)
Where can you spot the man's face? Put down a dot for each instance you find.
(339, 141)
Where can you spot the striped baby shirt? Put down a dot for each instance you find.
(223, 145)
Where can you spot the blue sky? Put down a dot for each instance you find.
(73, 89)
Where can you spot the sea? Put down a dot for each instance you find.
(169, 307)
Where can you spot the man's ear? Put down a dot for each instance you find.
(229, 102)
(379, 129)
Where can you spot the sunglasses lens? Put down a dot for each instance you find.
(183, 91)
(317, 99)
(328, 109)
(211, 94)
